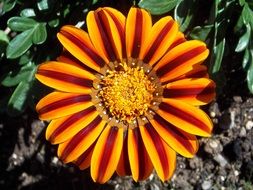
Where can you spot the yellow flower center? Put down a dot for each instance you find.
(127, 93)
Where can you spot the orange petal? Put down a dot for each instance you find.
(192, 91)
(106, 34)
(117, 16)
(162, 35)
(195, 71)
(123, 167)
(161, 155)
(106, 154)
(138, 26)
(174, 62)
(187, 71)
(65, 77)
(78, 43)
(178, 40)
(186, 117)
(83, 161)
(140, 162)
(62, 129)
(70, 150)
(120, 22)
(59, 104)
(67, 57)
(182, 142)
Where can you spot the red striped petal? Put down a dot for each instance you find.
(199, 91)
(83, 161)
(186, 54)
(140, 162)
(188, 71)
(67, 57)
(178, 40)
(185, 117)
(59, 104)
(182, 142)
(123, 167)
(78, 43)
(106, 154)
(196, 71)
(120, 22)
(65, 77)
(161, 155)
(138, 26)
(162, 35)
(62, 129)
(106, 33)
(70, 150)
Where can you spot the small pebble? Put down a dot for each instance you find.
(14, 156)
(206, 185)
(237, 99)
(221, 160)
(249, 125)
(243, 132)
(222, 178)
(151, 177)
(154, 187)
(236, 172)
(213, 144)
(213, 147)
(55, 160)
(212, 114)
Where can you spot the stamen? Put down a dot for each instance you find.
(126, 94)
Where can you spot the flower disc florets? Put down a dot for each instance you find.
(126, 93)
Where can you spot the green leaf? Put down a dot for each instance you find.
(220, 16)
(242, 2)
(40, 34)
(247, 14)
(13, 77)
(46, 5)
(43, 5)
(250, 78)
(3, 37)
(247, 59)
(20, 44)
(21, 24)
(25, 58)
(28, 13)
(244, 40)
(18, 101)
(217, 56)
(3, 42)
(201, 33)
(54, 23)
(158, 7)
(239, 25)
(8, 5)
(94, 2)
(183, 13)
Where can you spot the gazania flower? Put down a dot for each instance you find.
(127, 95)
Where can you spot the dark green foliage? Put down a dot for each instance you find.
(244, 28)
(28, 38)
(28, 31)
(158, 7)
